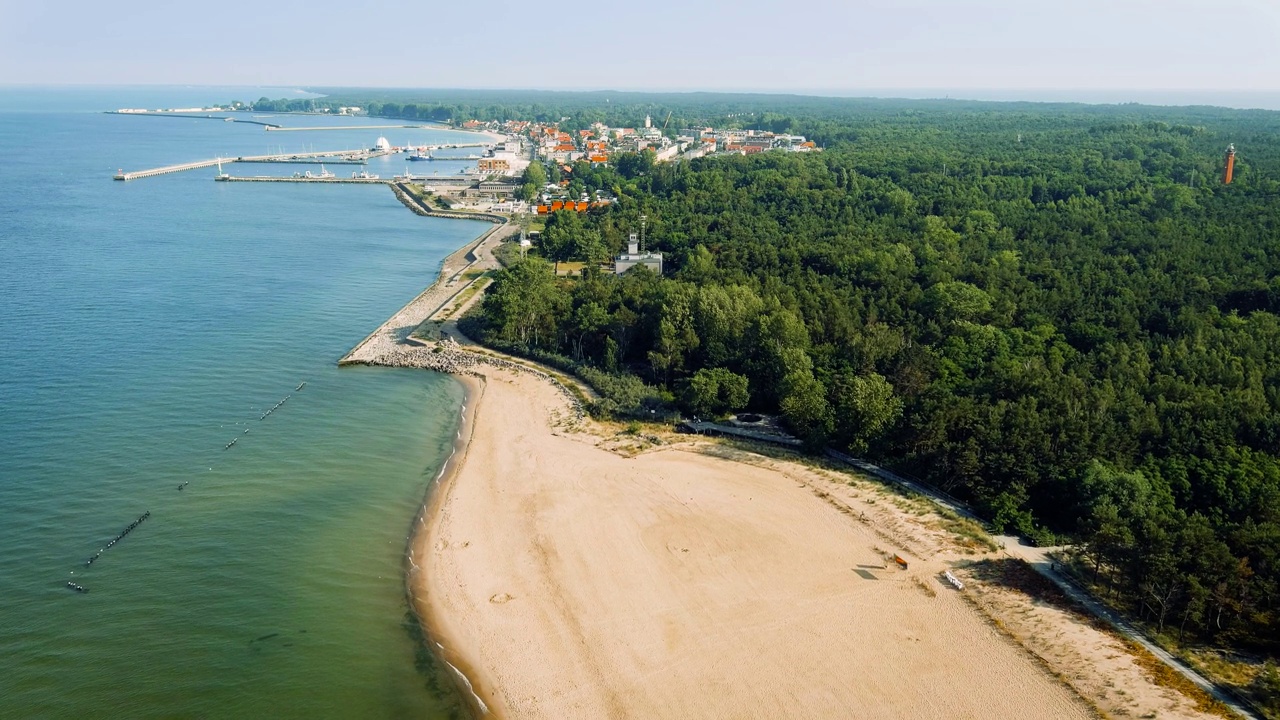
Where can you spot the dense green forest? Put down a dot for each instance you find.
(1059, 314)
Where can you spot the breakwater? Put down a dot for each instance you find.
(328, 180)
(110, 544)
(224, 118)
(415, 204)
(426, 304)
(144, 516)
(280, 158)
(447, 356)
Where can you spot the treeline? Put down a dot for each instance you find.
(287, 105)
(1064, 318)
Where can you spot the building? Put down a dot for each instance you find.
(634, 256)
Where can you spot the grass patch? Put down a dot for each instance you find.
(971, 533)
(1018, 575)
(508, 253)
(1166, 676)
(569, 268)
(461, 298)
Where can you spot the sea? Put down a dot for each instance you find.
(171, 409)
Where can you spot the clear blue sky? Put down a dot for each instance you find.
(798, 45)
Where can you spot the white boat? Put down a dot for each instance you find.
(363, 175)
(308, 175)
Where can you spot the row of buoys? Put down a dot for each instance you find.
(119, 537)
(300, 386)
(77, 588)
(228, 445)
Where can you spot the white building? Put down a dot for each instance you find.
(633, 257)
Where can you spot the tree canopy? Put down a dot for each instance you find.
(1057, 313)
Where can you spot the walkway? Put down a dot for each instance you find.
(1038, 558)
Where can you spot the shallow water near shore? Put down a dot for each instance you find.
(148, 324)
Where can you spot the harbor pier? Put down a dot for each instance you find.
(348, 155)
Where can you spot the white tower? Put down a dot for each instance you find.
(648, 121)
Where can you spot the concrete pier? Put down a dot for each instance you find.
(279, 128)
(282, 158)
(331, 181)
(122, 175)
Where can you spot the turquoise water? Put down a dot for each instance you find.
(147, 324)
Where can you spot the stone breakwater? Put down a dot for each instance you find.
(447, 356)
(420, 208)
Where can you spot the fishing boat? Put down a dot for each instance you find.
(308, 175)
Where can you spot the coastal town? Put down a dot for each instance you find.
(567, 195)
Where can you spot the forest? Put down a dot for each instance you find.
(1059, 314)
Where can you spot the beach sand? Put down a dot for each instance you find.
(695, 580)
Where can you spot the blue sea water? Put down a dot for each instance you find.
(145, 325)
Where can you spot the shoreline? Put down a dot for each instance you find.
(565, 578)
(418, 545)
(463, 608)
(602, 627)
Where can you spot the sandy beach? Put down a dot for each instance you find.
(567, 569)
(567, 579)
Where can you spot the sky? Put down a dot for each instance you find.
(811, 46)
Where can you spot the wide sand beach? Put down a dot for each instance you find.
(567, 580)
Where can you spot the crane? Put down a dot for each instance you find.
(664, 122)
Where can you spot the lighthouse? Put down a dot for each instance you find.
(1231, 165)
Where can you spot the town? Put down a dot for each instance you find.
(558, 151)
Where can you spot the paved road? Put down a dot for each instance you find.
(1038, 558)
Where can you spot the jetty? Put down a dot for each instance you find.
(122, 175)
(329, 180)
(158, 113)
(351, 155)
(280, 128)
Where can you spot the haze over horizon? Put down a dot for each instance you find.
(813, 47)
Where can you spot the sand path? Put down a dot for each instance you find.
(568, 581)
